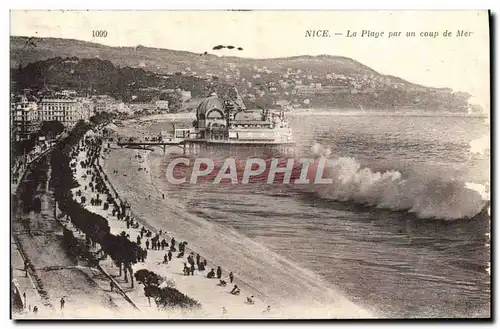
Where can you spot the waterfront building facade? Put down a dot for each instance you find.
(25, 117)
(64, 110)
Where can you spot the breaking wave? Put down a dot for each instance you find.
(425, 194)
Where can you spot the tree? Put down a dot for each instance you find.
(126, 254)
(151, 282)
(37, 205)
(52, 128)
(148, 278)
(151, 292)
(174, 101)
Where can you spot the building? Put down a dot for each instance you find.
(142, 106)
(103, 103)
(68, 93)
(284, 84)
(162, 105)
(85, 108)
(64, 110)
(305, 90)
(185, 95)
(25, 118)
(319, 89)
(225, 121)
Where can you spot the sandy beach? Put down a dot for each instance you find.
(292, 292)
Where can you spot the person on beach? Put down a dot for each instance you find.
(224, 311)
(111, 286)
(201, 266)
(198, 259)
(211, 274)
(231, 277)
(147, 244)
(267, 309)
(235, 291)
(172, 242)
(219, 272)
(62, 302)
(138, 240)
(186, 269)
(222, 283)
(250, 300)
(192, 269)
(169, 255)
(35, 309)
(26, 266)
(165, 259)
(181, 254)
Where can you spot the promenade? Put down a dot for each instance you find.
(54, 273)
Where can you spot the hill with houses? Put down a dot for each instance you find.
(329, 82)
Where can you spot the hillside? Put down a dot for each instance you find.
(166, 60)
(264, 81)
(95, 76)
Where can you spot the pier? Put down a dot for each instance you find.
(186, 139)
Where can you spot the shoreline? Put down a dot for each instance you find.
(297, 292)
(327, 111)
(152, 262)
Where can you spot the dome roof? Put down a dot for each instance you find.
(212, 102)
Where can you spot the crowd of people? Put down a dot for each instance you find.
(148, 240)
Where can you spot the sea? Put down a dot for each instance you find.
(404, 226)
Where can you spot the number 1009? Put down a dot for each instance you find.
(99, 33)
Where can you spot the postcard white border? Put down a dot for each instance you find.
(191, 4)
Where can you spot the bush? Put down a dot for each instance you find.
(148, 278)
(167, 296)
(171, 297)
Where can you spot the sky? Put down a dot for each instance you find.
(457, 62)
